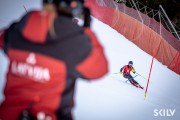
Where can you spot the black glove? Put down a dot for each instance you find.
(87, 17)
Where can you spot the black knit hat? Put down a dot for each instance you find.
(57, 2)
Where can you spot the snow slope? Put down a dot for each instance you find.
(110, 98)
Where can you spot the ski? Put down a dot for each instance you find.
(126, 82)
(137, 86)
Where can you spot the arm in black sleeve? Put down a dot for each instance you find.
(122, 69)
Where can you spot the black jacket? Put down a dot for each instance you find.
(47, 55)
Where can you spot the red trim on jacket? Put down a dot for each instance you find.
(2, 38)
(43, 20)
(95, 65)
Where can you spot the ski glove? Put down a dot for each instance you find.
(120, 72)
(133, 70)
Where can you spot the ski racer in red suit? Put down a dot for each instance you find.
(126, 74)
(47, 53)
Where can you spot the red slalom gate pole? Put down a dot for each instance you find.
(149, 78)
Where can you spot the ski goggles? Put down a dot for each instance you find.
(130, 65)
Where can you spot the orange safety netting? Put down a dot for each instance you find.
(145, 32)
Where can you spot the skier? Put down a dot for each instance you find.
(126, 74)
(47, 53)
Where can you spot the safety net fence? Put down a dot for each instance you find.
(139, 28)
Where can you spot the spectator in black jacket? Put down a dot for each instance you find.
(47, 53)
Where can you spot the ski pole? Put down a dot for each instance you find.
(141, 76)
(131, 78)
(117, 73)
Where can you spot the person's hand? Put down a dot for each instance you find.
(133, 70)
(120, 72)
(87, 17)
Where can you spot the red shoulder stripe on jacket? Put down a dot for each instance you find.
(37, 26)
(2, 38)
(95, 65)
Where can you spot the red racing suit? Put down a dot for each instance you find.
(126, 70)
(44, 66)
